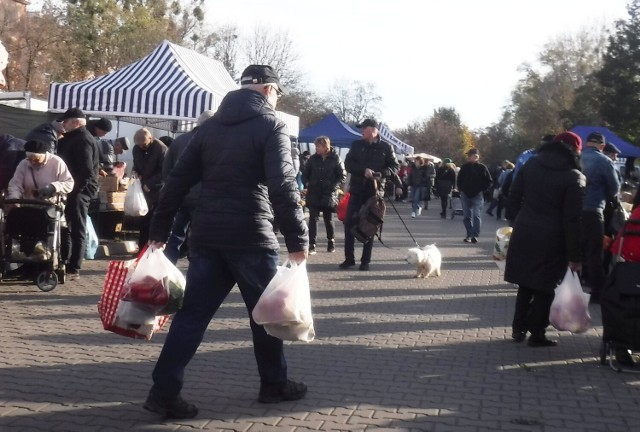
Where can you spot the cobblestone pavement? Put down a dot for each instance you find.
(392, 353)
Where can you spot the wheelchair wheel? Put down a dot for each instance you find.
(47, 280)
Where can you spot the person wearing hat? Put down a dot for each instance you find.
(445, 182)
(368, 159)
(473, 180)
(99, 128)
(41, 175)
(80, 152)
(602, 186)
(546, 201)
(49, 133)
(182, 220)
(242, 158)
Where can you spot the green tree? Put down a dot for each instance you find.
(442, 134)
(545, 98)
(619, 77)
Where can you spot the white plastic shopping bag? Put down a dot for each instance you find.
(570, 307)
(155, 283)
(135, 203)
(503, 235)
(92, 241)
(284, 308)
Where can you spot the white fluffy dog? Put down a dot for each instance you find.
(427, 260)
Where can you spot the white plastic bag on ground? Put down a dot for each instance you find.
(135, 203)
(284, 308)
(570, 307)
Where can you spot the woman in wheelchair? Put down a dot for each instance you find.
(40, 176)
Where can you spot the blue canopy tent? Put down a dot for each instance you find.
(628, 149)
(340, 133)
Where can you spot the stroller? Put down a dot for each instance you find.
(30, 235)
(456, 204)
(620, 298)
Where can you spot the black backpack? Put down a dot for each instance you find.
(370, 219)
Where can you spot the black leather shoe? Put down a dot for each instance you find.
(331, 247)
(347, 263)
(540, 341)
(518, 336)
(623, 356)
(170, 408)
(474, 240)
(364, 267)
(289, 391)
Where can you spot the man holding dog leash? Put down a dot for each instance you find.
(370, 161)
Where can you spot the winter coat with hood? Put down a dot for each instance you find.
(322, 177)
(242, 156)
(546, 201)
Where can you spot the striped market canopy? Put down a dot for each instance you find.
(168, 88)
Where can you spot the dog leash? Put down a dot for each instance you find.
(402, 220)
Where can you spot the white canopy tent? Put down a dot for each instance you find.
(168, 89)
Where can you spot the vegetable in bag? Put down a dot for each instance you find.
(570, 307)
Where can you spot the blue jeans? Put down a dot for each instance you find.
(417, 197)
(178, 234)
(210, 278)
(472, 211)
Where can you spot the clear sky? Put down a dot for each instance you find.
(421, 54)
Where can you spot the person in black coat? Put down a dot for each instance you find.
(445, 183)
(322, 176)
(242, 158)
(78, 149)
(546, 200)
(50, 133)
(369, 160)
(148, 158)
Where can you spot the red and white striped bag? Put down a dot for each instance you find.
(125, 318)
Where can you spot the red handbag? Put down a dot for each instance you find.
(341, 210)
(116, 315)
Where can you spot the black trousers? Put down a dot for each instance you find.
(532, 310)
(74, 238)
(591, 239)
(353, 210)
(327, 216)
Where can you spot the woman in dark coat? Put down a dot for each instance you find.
(546, 201)
(322, 176)
(445, 182)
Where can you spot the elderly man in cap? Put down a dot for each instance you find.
(80, 152)
(602, 185)
(368, 159)
(242, 158)
(49, 133)
(473, 180)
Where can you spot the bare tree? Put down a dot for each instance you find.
(353, 101)
(225, 47)
(275, 48)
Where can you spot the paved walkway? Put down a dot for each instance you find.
(392, 353)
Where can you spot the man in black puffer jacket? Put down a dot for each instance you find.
(242, 157)
(369, 158)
